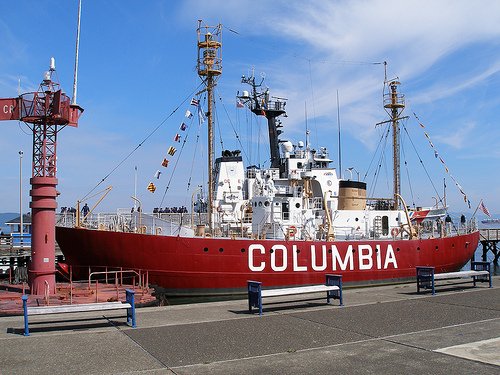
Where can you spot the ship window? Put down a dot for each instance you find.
(285, 209)
(356, 219)
(205, 249)
(242, 250)
(418, 248)
(297, 205)
(260, 204)
(266, 203)
(221, 250)
(385, 225)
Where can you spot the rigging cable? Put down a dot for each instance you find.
(200, 123)
(423, 165)
(141, 143)
(237, 136)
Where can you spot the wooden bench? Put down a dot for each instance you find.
(87, 307)
(332, 287)
(480, 271)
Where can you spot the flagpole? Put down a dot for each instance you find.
(135, 188)
(477, 208)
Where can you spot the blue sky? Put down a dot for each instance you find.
(137, 64)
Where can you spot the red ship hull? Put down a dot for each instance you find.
(208, 266)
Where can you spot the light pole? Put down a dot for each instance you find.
(350, 169)
(21, 224)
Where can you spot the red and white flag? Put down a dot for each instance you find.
(483, 208)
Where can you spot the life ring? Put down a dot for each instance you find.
(292, 231)
(394, 232)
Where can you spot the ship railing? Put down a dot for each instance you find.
(118, 275)
(65, 219)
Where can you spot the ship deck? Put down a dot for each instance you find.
(383, 329)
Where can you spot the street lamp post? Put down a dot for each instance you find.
(21, 224)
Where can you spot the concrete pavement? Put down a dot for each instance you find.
(380, 330)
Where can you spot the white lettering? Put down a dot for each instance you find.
(390, 257)
(365, 257)
(336, 259)
(315, 267)
(273, 258)
(296, 266)
(251, 265)
(379, 257)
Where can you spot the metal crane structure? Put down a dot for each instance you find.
(46, 112)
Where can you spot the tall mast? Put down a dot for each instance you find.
(395, 103)
(209, 65)
(271, 108)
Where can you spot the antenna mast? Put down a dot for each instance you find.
(395, 102)
(209, 66)
(75, 77)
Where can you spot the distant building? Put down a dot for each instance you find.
(15, 224)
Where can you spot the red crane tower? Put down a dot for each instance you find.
(46, 111)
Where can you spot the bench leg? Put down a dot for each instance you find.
(25, 310)
(260, 304)
(130, 298)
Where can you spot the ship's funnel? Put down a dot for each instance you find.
(352, 195)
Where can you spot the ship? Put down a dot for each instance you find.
(490, 221)
(285, 225)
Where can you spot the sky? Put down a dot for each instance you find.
(137, 74)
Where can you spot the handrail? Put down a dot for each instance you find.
(115, 272)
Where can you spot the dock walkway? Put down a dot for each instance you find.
(380, 330)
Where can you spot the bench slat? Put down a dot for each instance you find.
(298, 290)
(77, 308)
(459, 274)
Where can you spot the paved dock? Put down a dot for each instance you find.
(380, 330)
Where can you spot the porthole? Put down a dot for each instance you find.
(356, 219)
(266, 203)
(297, 205)
(298, 251)
(418, 248)
(437, 247)
(242, 250)
(271, 251)
(221, 250)
(205, 249)
(397, 249)
(330, 251)
(260, 204)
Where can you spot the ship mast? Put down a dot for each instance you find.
(262, 104)
(394, 102)
(209, 66)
